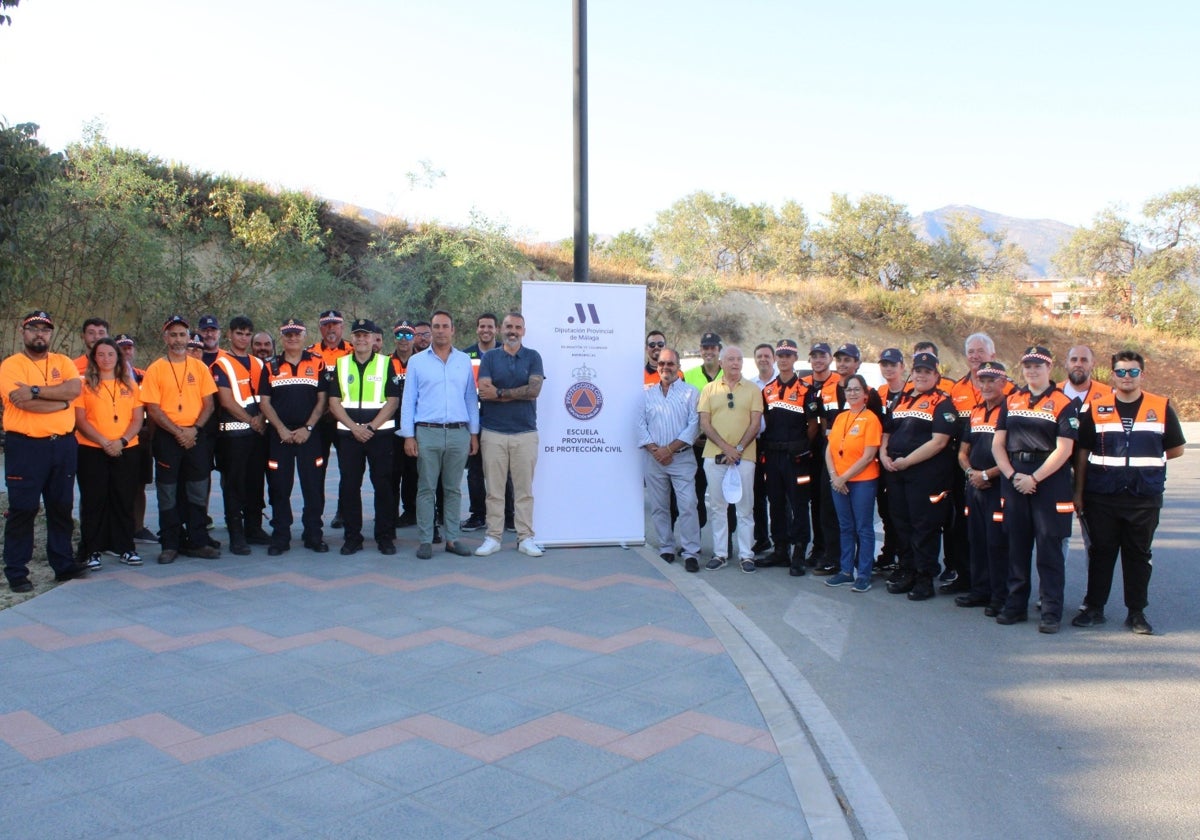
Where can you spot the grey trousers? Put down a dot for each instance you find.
(440, 452)
(680, 474)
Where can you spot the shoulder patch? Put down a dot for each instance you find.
(949, 416)
(1073, 422)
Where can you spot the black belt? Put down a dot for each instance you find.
(1023, 457)
(31, 437)
(442, 425)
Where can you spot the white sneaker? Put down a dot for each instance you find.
(528, 546)
(93, 561)
(489, 546)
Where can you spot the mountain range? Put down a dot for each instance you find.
(1040, 238)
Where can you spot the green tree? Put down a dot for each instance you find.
(27, 169)
(1142, 273)
(789, 248)
(871, 242)
(705, 233)
(969, 255)
(629, 248)
(7, 4)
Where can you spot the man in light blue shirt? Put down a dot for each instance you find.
(439, 421)
(667, 427)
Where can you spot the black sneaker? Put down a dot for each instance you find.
(948, 575)
(691, 564)
(775, 558)
(1048, 625)
(901, 583)
(406, 520)
(145, 535)
(825, 569)
(76, 570)
(959, 584)
(1008, 618)
(1089, 617)
(474, 523)
(761, 546)
(20, 586)
(922, 590)
(386, 547)
(351, 547)
(1136, 621)
(337, 522)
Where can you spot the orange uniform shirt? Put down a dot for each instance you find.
(178, 388)
(55, 369)
(849, 438)
(110, 408)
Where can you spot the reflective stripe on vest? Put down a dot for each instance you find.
(1128, 462)
(242, 386)
(370, 388)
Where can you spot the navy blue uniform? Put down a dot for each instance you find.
(1032, 425)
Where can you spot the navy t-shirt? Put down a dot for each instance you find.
(508, 370)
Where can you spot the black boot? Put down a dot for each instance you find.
(237, 540)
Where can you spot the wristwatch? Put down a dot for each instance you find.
(310, 428)
(499, 393)
(36, 391)
(740, 448)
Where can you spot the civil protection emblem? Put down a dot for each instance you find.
(583, 400)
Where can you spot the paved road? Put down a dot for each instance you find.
(936, 722)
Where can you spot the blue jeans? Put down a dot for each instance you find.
(856, 522)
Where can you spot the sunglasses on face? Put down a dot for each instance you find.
(667, 364)
(656, 344)
(1123, 372)
(405, 334)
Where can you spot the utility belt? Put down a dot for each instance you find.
(1022, 456)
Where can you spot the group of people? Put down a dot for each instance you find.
(414, 419)
(977, 472)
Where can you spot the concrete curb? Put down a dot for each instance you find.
(838, 796)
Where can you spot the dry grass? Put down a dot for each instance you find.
(824, 309)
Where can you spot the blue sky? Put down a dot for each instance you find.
(1033, 109)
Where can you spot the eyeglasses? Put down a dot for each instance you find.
(405, 334)
(1123, 372)
(656, 345)
(853, 389)
(668, 364)
(38, 328)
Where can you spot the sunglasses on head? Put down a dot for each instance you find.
(656, 344)
(1123, 372)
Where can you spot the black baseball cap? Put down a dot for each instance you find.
(38, 316)
(820, 347)
(364, 325)
(710, 339)
(175, 319)
(892, 354)
(208, 322)
(994, 369)
(925, 360)
(850, 350)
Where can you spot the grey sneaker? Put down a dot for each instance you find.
(862, 584)
(840, 579)
(716, 563)
(748, 565)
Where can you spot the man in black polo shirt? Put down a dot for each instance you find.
(292, 395)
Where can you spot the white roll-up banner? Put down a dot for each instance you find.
(587, 489)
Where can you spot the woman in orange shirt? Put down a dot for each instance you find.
(853, 474)
(108, 417)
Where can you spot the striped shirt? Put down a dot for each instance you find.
(669, 417)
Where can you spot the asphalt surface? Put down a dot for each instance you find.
(936, 722)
